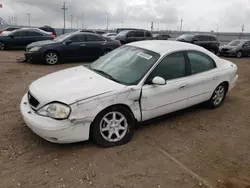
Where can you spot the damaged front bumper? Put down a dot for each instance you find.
(56, 131)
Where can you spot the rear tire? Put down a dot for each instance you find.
(2, 46)
(51, 58)
(218, 97)
(109, 130)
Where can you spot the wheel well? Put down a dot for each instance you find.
(226, 84)
(107, 50)
(52, 51)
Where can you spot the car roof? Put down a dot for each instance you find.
(164, 46)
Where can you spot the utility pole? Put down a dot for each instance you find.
(217, 30)
(122, 23)
(107, 21)
(181, 24)
(77, 23)
(71, 21)
(29, 18)
(83, 20)
(242, 30)
(64, 11)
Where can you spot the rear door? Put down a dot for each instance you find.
(149, 35)
(34, 36)
(131, 37)
(95, 45)
(204, 77)
(203, 41)
(140, 35)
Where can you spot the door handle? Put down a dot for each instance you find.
(216, 77)
(183, 86)
(83, 45)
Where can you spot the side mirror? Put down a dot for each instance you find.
(68, 42)
(159, 81)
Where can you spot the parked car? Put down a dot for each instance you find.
(22, 37)
(48, 29)
(9, 29)
(133, 35)
(134, 83)
(110, 35)
(236, 48)
(209, 42)
(71, 46)
(161, 36)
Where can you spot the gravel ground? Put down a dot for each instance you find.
(192, 148)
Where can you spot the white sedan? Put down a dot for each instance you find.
(136, 82)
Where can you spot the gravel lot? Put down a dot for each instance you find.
(192, 148)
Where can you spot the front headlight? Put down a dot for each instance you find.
(55, 110)
(34, 49)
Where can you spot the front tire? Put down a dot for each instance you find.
(51, 58)
(239, 54)
(2, 46)
(218, 97)
(113, 126)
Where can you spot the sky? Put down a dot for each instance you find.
(198, 15)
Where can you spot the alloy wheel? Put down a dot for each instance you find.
(113, 126)
(2, 46)
(219, 95)
(239, 54)
(51, 58)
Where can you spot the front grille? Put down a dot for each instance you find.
(32, 100)
(224, 50)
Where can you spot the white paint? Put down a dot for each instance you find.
(88, 93)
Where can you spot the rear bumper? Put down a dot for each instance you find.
(34, 56)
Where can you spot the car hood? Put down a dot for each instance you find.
(228, 47)
(41, 43)
(71, 85)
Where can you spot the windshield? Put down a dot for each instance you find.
(234, 43)
(186, 37)
(126, 65)
(61, 38)
(123, 33)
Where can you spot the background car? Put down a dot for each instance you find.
(110, 35)
(161, 36)
(9, 29)
(22, 37)
(48, 29)
(237, 48)
(134, 83)
(128, 36)
(209, 42)
(70, 47)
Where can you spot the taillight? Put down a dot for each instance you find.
(53, 36)
(118, 43)
(1, 32)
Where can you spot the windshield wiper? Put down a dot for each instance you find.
(106, 75)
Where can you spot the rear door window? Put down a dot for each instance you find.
(93, 38)
(34, 34)
(139, 34)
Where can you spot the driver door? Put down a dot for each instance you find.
(158, 100)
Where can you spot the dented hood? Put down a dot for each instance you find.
(71, 85)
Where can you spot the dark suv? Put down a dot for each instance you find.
(133, 35)
(209, 42)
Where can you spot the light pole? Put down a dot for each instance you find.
(29, 18)
(107, 21)
(64, 10)
(83, 20)
(71, 21)
(217, 30)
